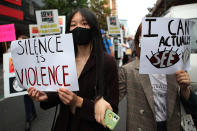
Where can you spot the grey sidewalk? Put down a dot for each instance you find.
(13, 116)
(1, 82)
(12, 113)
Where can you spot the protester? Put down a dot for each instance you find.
(153, 101)
(108, 44)
(117, 51)
(30, 111)
(132, 47)
(97, 77)
(125, 46)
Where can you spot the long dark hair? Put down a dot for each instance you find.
(136, 40)
(97, 43)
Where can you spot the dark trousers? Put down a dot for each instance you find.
(125, 59)
(161, 126)
(29, 108)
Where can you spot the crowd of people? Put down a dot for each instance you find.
(123, 51)
(104, 81)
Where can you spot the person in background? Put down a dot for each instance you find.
(132, 57)
(117, 51)
(153, 101)
(125, 46)
(30, 110)
(108, 44)
(97, 77)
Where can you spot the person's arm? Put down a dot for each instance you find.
(110, 47)
(89, 108)
(190, 103)
(111, 100)
(111, 78)
(47, 100)
(125, 45)
(188, 97)
(184, 82)
(111, 50)
(122, 83)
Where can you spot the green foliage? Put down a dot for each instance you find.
(97, 6)
(65, 6)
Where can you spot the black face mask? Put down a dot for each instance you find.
(81, 36)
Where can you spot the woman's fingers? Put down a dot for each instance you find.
(109, 107)
(102, 117)
(98, 118)
(36, 95)
(64, 90)
(179, 72)
(182, 78)
(100, 108)
(97, 114)
(30, 90)
(64, 95)
(67, 97)
(65, 101)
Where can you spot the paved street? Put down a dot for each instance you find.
(12, 114)
(1, 81)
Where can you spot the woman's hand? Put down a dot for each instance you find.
(183, 81)
(37, 95)
(69, 98)
(99, 109)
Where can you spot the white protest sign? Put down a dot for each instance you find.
(113, 25)
(34, 32)
(47, 21)
(46, 63)
(165, 45)
(11, 87)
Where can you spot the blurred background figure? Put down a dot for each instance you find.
(117, 50)
(125, 46)
(107, 43)
(30, 111)
(132, 47)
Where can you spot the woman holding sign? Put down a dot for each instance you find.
(97, 83)
(153, 99)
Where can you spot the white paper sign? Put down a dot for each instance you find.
(47, 21)
(46, 63)
(11, 87)
(165, 45)
(34, 32)
(113, 25)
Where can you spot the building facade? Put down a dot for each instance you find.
(21, 13)
(112, 5)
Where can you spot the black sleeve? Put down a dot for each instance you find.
(191, 105)
(112, 96)
(53, 100)
(111, 79)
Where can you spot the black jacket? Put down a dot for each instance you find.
(84, 119)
